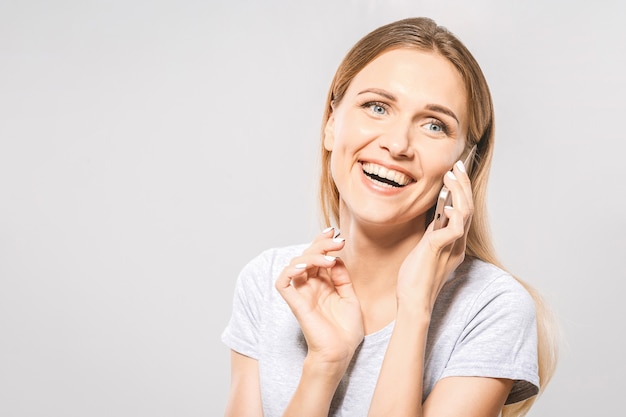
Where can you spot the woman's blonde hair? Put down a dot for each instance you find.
(425, 35)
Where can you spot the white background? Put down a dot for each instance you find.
(149, 149)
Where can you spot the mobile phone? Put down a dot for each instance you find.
(445, 199)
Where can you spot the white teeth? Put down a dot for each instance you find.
(392, 175)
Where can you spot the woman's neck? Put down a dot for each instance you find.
(374, 253)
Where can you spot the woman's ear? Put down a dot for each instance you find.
(329, 133)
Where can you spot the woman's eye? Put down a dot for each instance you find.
(436, 127)
(378, 109)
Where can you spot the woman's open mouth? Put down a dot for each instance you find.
(385, 176)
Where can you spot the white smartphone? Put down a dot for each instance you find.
(445, 199)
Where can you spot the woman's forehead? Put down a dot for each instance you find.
(413, 75)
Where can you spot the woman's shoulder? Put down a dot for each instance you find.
(280, 255)
(271, 261)
(256, 278)
(489, 281)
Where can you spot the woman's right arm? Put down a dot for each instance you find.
(313, 394)
(319, 292)
(244, 399)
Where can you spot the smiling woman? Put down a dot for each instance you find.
(404, 114)
(390, 316)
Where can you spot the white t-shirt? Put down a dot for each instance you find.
(483, 324)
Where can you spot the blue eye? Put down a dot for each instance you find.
(378, 109)
(436, 126)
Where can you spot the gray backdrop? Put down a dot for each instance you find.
(149, 149)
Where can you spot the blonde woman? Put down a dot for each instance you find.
(383, 314)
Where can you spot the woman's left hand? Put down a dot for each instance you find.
(427, 267)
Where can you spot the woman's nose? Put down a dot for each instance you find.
(397, 141)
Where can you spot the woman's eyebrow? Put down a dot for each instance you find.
(432, 107)
(442, 109)
(380, 92)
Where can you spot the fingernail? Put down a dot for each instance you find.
(338, 240)
(448, 208)
(451, 175)
(460, 166)
(329, 258)
(328, 229)
(300, 266)
(337, 233)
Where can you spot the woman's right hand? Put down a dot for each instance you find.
(318, 289)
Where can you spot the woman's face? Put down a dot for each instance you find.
(399, 127)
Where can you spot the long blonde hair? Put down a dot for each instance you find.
(425, 35)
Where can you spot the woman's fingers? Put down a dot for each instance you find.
(302, 267)
(291, 277)
(313, 263)
(341, 280)
(460, 213)
(462, 207)
(451, 238)
(462, 196)
(298, 275)
(327, 241)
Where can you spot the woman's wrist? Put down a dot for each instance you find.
(413, 311)
(318, 383)
(323, 370)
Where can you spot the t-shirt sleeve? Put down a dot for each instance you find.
(243, 329)
(500, 339)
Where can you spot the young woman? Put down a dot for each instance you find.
(384, 314)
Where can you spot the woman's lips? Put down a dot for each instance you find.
(386, 176)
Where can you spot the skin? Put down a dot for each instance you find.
(405, 111)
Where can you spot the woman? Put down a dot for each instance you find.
(390, 316)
